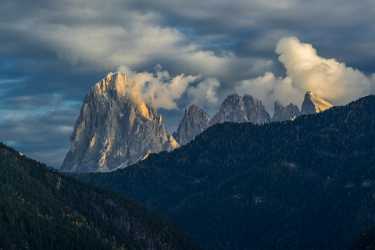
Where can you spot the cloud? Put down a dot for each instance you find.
(328, 78)
(160, 89)
(164, 91)
(270, 88)
(38, 125)
(205, 93)
(306, 70)
(133, 39)
(91, 35)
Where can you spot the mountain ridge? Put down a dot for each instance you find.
(117, 128)
(43, 209)
(236, 108)
(242, 186)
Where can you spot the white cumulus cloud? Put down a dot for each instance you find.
(205, 93)
(162, 90)
(306, 70)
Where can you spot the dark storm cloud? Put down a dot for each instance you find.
(334, 26)
(52, 51)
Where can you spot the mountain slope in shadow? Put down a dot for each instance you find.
(302, 184)
(41, 209)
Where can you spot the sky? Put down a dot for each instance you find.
(52, 52)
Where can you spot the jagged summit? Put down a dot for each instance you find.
(285, 113)
(194, 122)
(312, 104)
(241, 109)
(119, 85)
(193, 108)
(114, 84)
(115, 128)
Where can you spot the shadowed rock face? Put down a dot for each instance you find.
(115, 128)
(241, 109)
(281, 113)
(194, 122)
(313, 104)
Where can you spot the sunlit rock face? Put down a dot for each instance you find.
(194, 122)
(115, 129)
(241, 109)
(314, 104)
(285, 113)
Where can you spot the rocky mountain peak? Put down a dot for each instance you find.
(232, 100)
(241, 109)
(115, 128)
(194, 109)
(255, 111)
(114, 84)
(312, 104)
(194, 122)
(119, 86)
(285, 113)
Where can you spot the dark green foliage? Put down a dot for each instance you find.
(366, 241)
(307, 184)
(40, 209)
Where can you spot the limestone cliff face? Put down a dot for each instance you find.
(314, 104)
(194, 122)
(115, 129)
(241, 109)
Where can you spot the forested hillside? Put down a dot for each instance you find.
(41, 209)
(304, 184)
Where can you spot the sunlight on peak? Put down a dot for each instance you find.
(124, 86)
(143, 110)
(321, 104)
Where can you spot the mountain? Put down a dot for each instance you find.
(281, 113)
(115, 128)
(42, 209)
(314, 104)
(194, 122)
(241, 109)
(303, 184)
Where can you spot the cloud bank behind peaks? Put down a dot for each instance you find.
(326, 77)
(307, 70)
(205, 93)
(159, 89)
(162, 90)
